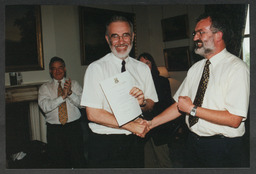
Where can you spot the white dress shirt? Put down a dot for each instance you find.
(49, 101)
(107, 67)
(228, 89)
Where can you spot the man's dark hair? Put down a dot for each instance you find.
(117, 18)
(219, 23)
(56, 59)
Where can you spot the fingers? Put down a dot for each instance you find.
(137, 93)
(67, 84)
(184, 104)
(142, 129)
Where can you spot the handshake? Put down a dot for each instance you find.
(139, 127)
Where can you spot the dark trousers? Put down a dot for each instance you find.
(215, 151)
(65, 145)
(115, 151)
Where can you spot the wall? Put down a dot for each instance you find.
(60, 31)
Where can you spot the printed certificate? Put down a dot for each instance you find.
(124, 106)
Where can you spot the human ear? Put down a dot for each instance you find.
(107, 39)
(218, 36)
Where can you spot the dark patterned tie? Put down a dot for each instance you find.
(123, 66)
(63, 114)
(200, 92)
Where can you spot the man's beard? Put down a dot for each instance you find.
(122, 55)
(204, 48)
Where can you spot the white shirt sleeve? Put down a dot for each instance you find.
(45, 100)
(92, 95)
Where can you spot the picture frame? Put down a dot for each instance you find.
(92, 32)
(175, 28)
(23, 41)
(177, 59)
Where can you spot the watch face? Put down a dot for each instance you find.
(193, 111)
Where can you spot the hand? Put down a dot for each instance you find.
(67, 87)
(137, 127)
(144, 122)
(185, 104)
(137, 93)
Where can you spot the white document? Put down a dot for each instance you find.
(124, 106)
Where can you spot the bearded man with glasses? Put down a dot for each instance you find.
(215, 98)
(111, 145)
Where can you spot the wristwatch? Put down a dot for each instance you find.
(193, 111)
(144, 103)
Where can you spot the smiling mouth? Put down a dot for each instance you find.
(121, 46)
(198, 44)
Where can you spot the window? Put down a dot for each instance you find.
(246, 40)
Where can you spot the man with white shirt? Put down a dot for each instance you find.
(60, 99)
(109, 144)
(215, 103)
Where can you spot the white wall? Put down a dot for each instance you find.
(60, 31)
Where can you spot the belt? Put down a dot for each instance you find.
(218, 136)
(67, 124)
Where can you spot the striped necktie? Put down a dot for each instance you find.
(200, 92)
(63, 114)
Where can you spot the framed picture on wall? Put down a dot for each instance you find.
(92, 32)
(177, 59)
(23, 38)
(175, 28)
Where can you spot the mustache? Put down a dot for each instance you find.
(197, 42)
(121, 45)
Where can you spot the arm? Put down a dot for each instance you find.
(137, 93)
(148, 106)
(74, 92)
(46, 101)
(103, 117)
(167, 115)
(218, 117)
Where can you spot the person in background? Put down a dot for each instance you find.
(215, 97)
(156, 154)
(111, 145)
(59, 99)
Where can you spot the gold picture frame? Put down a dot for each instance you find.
(177, 59)
(23, 38)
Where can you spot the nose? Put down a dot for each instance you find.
(121, 39)
(196, 36)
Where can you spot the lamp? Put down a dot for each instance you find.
(163, 71)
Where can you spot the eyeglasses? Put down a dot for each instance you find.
(115, 37)
(57, 68)
(199, 31)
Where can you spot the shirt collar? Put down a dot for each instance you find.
(118, 60)
(218, 57)
(57, 81)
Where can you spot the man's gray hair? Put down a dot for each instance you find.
(117, 18)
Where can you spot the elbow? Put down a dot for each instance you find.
(90, 117)
(236, 122)
(90, 114)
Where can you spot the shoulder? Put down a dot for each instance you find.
(75, 83)
(138, 64)
(163, 79)
(236, 60)
(234, 63)
(196, 65)
(47, 84)
(100, 62)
